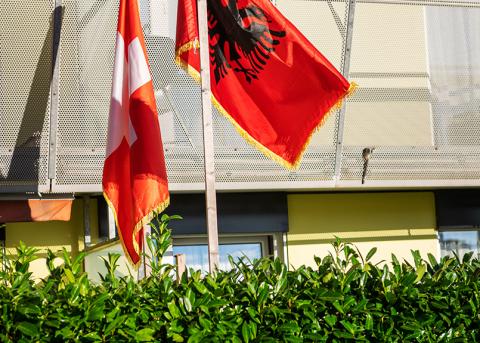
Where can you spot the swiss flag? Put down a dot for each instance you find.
(134, 176)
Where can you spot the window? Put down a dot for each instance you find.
(237, 246)
(107, 230)
(459, 242)
(458, 220)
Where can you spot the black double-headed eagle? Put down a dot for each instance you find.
(240, 39)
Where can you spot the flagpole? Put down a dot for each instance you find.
(210, 195)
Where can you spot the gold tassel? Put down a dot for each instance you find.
(252, 141)
(145, 220)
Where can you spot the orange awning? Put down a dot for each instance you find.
(34, 210)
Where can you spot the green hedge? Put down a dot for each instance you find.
(345, 298)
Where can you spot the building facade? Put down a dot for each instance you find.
(416, 112)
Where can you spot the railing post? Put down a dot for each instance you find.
(180, 263)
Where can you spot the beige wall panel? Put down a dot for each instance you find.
(392, 222)
(389, 51)
(315, 20)
(388, 124)
(303, 254)
(389, 39)
(382, 81)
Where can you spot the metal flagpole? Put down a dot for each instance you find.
(145, 269)
(210, 196)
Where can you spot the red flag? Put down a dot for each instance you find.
(272, 84)
(134, 175)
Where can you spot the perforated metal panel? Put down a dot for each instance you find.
(417, 105)
(86, 64)
(86, 61)
(26, 35)
(419, 67)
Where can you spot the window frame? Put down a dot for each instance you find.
(459, 228)
(272, 243)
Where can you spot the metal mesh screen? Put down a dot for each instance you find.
(417, 62)
(419, 101)
(85, 78)
(26, 36)
(86, 61)
(178, 102)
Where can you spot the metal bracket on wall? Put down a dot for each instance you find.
(54, 91)
(345, 72)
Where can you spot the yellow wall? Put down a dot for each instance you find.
(392, 222)
(54, 235)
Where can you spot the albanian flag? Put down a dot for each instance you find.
(134, 175)
(272, 84)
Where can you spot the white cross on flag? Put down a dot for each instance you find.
(134, 176)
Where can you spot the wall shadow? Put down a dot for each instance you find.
(25, 162)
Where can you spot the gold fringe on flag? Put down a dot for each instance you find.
(252, 141)
(144, 221)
